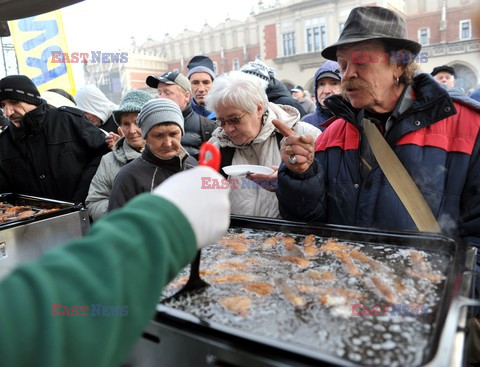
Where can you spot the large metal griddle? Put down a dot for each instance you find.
(172, 332)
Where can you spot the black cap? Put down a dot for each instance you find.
(446, 68)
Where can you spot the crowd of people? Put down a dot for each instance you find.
(324, 168)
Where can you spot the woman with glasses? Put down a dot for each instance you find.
(246, 135)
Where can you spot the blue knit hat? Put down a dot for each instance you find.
(132, 101)
(159, 111)
(200, 64)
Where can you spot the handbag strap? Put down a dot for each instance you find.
(400, 180)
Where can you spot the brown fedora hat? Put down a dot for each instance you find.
(369, 23)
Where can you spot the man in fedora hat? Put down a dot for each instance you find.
(337, 178)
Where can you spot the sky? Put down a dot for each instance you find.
(109, 24)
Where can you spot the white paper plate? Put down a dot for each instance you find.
(245, 169)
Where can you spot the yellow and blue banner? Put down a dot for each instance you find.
(35, 40)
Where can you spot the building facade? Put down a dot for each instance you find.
(290, 35)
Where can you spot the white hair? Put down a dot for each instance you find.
(238, 89)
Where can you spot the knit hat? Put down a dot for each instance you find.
(330, 69)
(132, 101)
(170, 77)
(159, 111)
(367, 23)
(297, 88)
(201, 64)
(19, 88)
(259, 69)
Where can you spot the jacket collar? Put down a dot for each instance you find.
(31, 122)
(188, 110)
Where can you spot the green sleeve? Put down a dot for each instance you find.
(125, 260)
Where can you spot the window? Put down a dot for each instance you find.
(465, 29)
(423, 36)
(289, 44)
(235, 64)
(316, 38)
(215, 67)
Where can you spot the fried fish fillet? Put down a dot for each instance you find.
(384, 290)
(296, 260)
(239, 305)
(260, 288)
(292, 297)
(309, 246)
(233, 278)
(325, 276)
(333, 246)
(432, 277)
(232, 265)
(270, 242)
(360, 256)
(344, 257)
(237, 247)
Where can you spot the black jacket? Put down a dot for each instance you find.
(198, 129)
(54, 154)
(145, 173)
(279, 94)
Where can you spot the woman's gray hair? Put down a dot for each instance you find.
(238, 89)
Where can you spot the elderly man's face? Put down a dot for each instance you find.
(174, 93)
(240, 126)
(15, 110)
(445, 78)
(201, 84)
(326, 87)
(371, 84)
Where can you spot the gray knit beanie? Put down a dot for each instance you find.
(132, 101)
(159, 111)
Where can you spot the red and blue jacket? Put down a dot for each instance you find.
(436, 139)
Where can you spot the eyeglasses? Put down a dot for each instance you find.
(232, 121)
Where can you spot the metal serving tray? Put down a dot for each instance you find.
(24, 240)
(172, 332)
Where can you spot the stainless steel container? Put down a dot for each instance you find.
(177, 338)
(24, 240)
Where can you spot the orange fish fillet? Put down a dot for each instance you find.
(239, 305)
(326, 276)
(385, 290)
(296, 260)
(259, 288)
(347, 261)
(238, 247)
(233, 278)
(309, 246)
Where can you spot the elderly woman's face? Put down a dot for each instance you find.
(368, 80)
(240, 126)
(164, 140)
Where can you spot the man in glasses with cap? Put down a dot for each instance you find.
(176, 87)
(337, 178)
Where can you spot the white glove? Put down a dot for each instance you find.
(207, 209)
